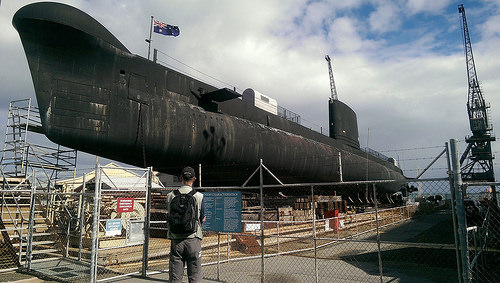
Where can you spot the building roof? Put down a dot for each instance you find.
(113, 177)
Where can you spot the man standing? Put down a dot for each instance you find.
(185, 216)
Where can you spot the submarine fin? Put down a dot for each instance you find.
(220, 95)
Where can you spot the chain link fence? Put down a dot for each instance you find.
(119, 236)
(41, 226)
(310, 234)
(289, 233)
(482, 232)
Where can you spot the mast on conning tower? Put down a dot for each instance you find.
(332, 81)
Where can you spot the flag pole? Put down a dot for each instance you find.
(149, 40)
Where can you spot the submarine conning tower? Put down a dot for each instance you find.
(343, 123)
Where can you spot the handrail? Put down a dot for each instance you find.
(18, 207)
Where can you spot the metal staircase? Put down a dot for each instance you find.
(29, 173)
(18, 231)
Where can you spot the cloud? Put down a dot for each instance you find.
(386, 17)
(426, 6)
(346, 36)
(315, 16)
(490, 27)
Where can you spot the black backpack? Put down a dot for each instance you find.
(183, 214)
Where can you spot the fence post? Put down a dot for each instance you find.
(261, 186)
(31, 223)
(356, 220)
(378, 234)
(228, 246)
(218, 256)
(458, 188)
(67, 234)
(278, 231)
(82, 217)
(95, 225)
(3, 195)
(51, 199)
(21, 240)
(336, 223)
(313, 206)
(453, 214)
(147, 220)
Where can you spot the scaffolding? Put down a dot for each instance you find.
(27, 168)
(19, 155)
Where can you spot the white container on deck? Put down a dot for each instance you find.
(261, 101)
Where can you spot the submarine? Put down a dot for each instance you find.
(95, 96)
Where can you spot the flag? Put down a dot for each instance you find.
(165, 29)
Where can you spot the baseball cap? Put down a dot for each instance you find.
(187, 173)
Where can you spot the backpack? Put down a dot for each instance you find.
(183, 213)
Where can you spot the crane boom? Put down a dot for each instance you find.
(476, 106)
(333, 90)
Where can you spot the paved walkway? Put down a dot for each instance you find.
(347, 261)
(350, 261)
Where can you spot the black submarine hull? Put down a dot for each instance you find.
(97, 97)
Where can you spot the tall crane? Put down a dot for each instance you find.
(479, 165)
(332, 82)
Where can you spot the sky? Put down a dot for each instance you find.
(399, 65)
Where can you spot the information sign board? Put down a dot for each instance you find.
(125, 205)
(113, 227)
(223, 211)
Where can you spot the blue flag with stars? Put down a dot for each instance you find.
(165, 29)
